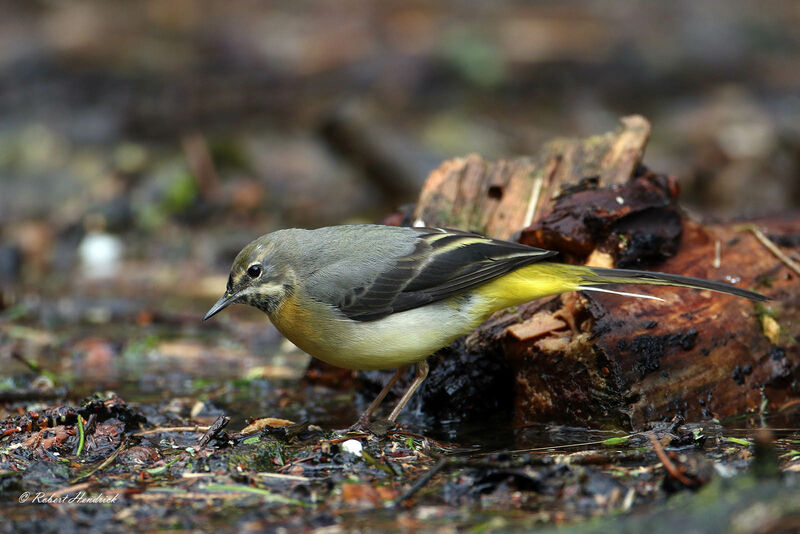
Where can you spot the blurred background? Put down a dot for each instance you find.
(143, 143)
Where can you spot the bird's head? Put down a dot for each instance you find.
(260, 276)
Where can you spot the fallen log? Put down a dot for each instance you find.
(601, 358)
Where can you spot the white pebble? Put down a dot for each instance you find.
(100, 255)
(353, 446)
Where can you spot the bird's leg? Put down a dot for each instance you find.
(365, 417)
(422, 373)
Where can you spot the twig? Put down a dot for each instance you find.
(215, 428)
(70, 489)
(668, 465)
(108, 461)
(299, 460)
(9, 431)
(265, 494)
(790, 404)
(280, 476)
(533, 201)
(198, 475)
(348, 437)
(769, 245)
(163, 468)
(547, 449)
(30, 364)
(420, 483)
(627, 502)
(90, 425)
(159, 494)
(375, 463)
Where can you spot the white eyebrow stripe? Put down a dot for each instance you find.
(261, 289)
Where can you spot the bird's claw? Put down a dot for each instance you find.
(378, 427)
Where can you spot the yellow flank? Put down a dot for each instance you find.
(528, 283)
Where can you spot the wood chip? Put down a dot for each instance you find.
(600, 259)
(538, 325)
(553, 344)
(771, 328)
(259, 424)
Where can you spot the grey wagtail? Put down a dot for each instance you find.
(379, 297)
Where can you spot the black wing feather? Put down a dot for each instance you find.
(440, 266)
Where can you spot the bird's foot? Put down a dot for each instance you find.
(361, 425)
(379, 427)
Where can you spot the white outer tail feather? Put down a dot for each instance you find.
(623, 293)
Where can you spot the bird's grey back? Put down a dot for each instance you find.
(333, 260)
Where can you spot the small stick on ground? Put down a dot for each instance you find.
(670, 467)
(772, 247)
(30, 364)
(71, 489)
(108, 461)
(419, 484)
(215, 428)
(91, 423)
(298, 461)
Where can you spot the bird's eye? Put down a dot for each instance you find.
(254, 271)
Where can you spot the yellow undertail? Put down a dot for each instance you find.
(543, 279)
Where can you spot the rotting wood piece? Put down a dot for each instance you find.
(698, 354)
(499, 199)
(637, 223)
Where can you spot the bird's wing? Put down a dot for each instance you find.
(443, 263)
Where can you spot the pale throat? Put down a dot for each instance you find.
(266, 297)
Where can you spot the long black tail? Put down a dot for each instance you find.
(598, 276)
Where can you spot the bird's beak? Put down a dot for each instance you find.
(224, 301)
